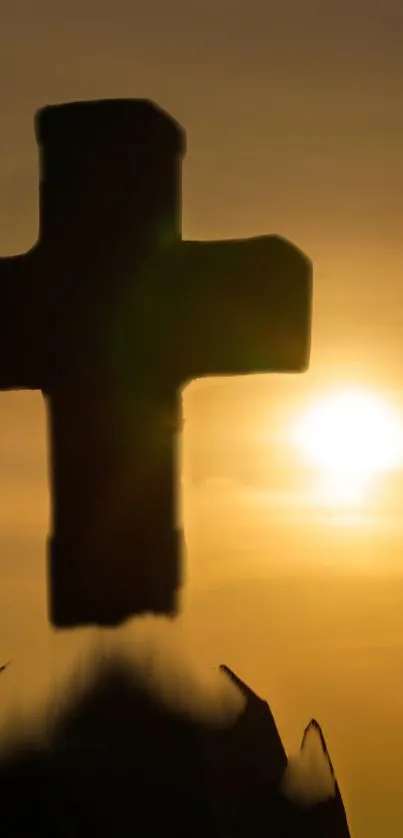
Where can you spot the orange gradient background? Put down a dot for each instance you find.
(294, 118)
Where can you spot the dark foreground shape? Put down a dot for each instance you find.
(120, 764)
(110, 315)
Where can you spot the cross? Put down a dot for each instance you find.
(110, 315)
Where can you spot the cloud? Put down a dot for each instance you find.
(216, 489)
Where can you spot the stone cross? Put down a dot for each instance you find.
(110, 315)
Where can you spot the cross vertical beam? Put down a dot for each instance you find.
(109, 315)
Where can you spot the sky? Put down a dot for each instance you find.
(294, 121)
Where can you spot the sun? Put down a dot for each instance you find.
(349, 437)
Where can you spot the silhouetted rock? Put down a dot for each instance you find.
(120, 762)
(314, 804)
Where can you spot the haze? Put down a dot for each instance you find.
(295, 126)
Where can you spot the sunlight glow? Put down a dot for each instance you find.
(350, 437)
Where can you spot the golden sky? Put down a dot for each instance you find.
(294, 118)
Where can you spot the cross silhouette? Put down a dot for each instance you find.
(109, 315)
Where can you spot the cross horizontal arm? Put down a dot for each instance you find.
(20, 331)
(222, 308)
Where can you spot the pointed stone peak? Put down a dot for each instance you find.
(313, 734)
(309, 776)
(245, 690)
